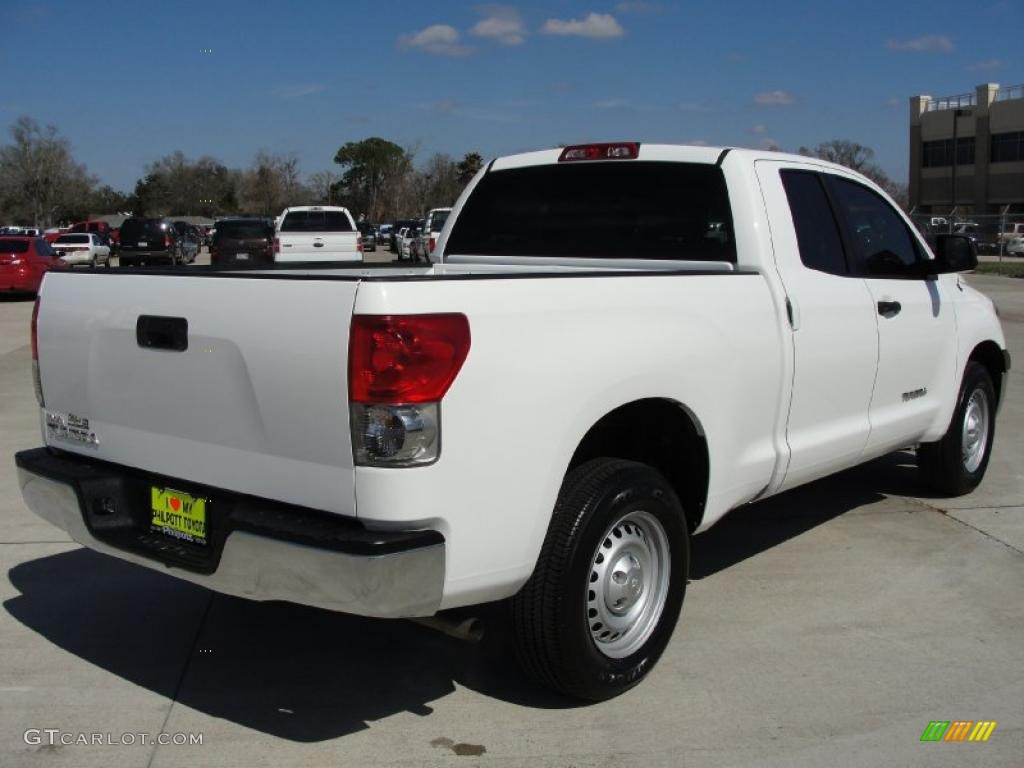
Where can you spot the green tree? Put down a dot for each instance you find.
(469, 166)
(372, 168)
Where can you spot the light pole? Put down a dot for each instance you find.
(957, 113)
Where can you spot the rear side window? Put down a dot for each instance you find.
(611, 210)
(13, 246)
(316, 221)
(881, 241)
(817, 233)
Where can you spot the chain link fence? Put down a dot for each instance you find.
(991, 233)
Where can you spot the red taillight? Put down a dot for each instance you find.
(433, 242)
(167, 241)
(277, 245)
(35, 332)
(359, 243)
(395, 359)
(623, 150)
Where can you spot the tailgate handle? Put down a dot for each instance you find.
(157, 332)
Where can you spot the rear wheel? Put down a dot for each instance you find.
(600, 607)
(956, 464)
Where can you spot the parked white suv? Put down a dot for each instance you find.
(317, 233)
(432, 231)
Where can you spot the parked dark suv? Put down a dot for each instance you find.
(149, 241)
(242, 241)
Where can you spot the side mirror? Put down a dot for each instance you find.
(953, 253)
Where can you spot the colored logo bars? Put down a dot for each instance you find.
(958, 730)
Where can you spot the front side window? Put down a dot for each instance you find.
(817, 233)
(880, 240)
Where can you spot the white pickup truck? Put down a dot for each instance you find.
(317, 233)
(621, 343)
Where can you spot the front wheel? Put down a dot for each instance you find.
(602, 602)
(956, 464)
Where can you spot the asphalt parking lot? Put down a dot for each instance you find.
(823, 627)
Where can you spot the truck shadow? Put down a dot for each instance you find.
(757, 527)
(309, 675)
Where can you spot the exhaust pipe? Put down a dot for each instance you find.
(467, 628)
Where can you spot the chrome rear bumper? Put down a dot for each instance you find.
(403, 580)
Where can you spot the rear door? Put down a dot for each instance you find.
(255, 402)
(318, 235)
(835, 342)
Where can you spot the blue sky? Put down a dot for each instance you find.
(130, 82)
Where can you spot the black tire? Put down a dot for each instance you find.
(553, 613)
(942, 464)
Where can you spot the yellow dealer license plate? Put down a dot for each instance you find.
(179, 515)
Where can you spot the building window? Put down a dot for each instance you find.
(940, 153)
(1007, 147)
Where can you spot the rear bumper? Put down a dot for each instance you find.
(17, 279)
(259, 549)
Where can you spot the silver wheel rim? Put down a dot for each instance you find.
(628, 584)
(974, 440)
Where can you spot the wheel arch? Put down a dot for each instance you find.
(662, 433)
(989, 354)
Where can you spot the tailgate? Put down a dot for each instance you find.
(319, 246)
(257, 403)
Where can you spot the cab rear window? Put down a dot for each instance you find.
(610, 210)
(316, 221)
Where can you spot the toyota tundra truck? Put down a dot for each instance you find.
(618, 344)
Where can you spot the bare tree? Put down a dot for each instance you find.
(272, 183)
(321, 186)
(859, 158)
(39, 178)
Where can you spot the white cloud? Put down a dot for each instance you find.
(639, 6)
(759, 129)
(595, 26)
(922, 44)
(697, 142)
(439, 39)
(987, 65)
(500, 23)
(774, 98)
(298, 91)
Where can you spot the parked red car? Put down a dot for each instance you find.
(99, 227)
(23, 262)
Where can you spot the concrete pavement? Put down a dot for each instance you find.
(826, 627)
